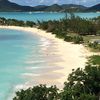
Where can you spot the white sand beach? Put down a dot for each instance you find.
(73, 55)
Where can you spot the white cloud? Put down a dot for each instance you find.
(41, 1)
(49, 2)
(55, 1)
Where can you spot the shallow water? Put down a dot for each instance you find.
(16, 49)
(25, 61)
(23, 56)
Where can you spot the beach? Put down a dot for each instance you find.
(71, 56)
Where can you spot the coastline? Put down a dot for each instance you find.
(73, 55)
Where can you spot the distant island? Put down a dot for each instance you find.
(6, 6)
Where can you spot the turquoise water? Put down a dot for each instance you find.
(43, 16)
(25, 61)
(21, 51)
(33, 16)
(17, 49)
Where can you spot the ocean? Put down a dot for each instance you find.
(25, 61)
(22, 56)
(43, 16)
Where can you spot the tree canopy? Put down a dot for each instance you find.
(82, 84)
(41, 92)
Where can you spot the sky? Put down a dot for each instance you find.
(50, 2)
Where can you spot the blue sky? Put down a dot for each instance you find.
(49, 2)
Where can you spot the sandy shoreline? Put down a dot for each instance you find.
(72, 55)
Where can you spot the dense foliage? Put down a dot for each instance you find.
(72, 24)
(41, 92)
(94, 60)
(80, 85)
(94, 46)
(64, 27)
(14, 22)
(83, 84)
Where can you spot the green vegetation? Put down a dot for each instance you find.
(76, 39)
(83, 84)
(73, 24)
(14, 22)
(94, 46)
(41, 92)
(74, 29)
(95, 60)
(70, 29)
(80, 85)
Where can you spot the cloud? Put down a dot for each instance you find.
(55, 1)
(41, 1)
(49, 2)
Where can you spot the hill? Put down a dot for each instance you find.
(73, 7)
(40, 8)
(54, 7)
(65, 7)
(94, 8)
(5, 5)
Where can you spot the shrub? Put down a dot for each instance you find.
(93, 45)
(78, 39)
(98, 32)
(68, 39)
(41, 92)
